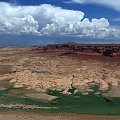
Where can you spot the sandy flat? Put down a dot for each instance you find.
(4, 69)
(41, 96)
(13, 115)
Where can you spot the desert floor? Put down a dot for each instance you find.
(76, 81)
(16, 115)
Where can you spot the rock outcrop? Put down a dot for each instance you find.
(53, 70)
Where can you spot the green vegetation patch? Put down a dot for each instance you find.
(76, 103)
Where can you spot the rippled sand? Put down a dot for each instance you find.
(13, 115)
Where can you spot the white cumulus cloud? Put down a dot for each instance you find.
(16, 25)
(47, 19)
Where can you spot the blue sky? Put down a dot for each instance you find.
(36, 22)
